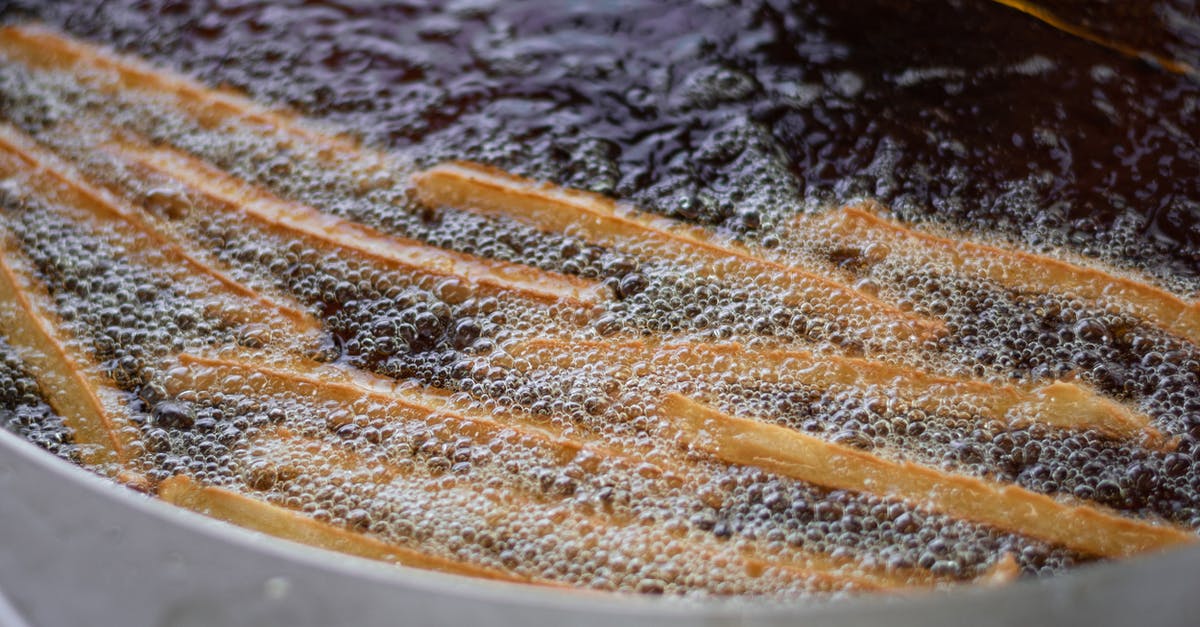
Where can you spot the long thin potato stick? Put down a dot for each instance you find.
(1054, 21)
(40, 47)
(603, 222)
(210, 373)
(284, 523)
(70, 383)
(229, 193)
(51, 179)
(1059, 404)
(794, 454)
(301, 369)
(1012, 268)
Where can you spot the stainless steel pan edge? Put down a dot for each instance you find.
(75, 549)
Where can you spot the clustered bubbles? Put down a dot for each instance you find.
(23, 410)
(426, 474)
(733, 114)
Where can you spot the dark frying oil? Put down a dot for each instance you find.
(733, 115)
(736, 114)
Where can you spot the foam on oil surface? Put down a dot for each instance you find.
(507, 501)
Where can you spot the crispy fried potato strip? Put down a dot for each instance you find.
(476, 273)
(1056, 22)
(69, 381)
(283, 523)
(43, 48)
(56, 182)
(777, 449)
(603, 222)
(1059, 404)
(1011, 268)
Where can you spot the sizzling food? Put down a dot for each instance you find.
(228, 307)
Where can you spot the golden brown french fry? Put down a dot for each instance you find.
(1011, 268)
(776, 449)
(1060, 405)
(1054, 21)
(58, 183)
(601, 221)
(212, 373)
(302, 371)
(69, 381)
(40, 47)
(228, 193)
(273, 520)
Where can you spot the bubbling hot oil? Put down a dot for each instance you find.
(735, 114)
(26, 413)
(681, 527)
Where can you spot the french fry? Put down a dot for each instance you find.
(816, 572)
(1059, 404)
(212, 373)
(72, 385)
(1054, 21)
(283, 523)
(776, 449)
(230, 194)
(603, 222)
(58, 183)
(43, 48)
(1011, 268)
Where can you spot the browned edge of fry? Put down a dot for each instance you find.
(1059, 404)
(1021, 270)
(1054, 21)
(56, 181)
(1085, 528)
(273, 520)
(601, 221)
(68, 381)
(229, 193)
